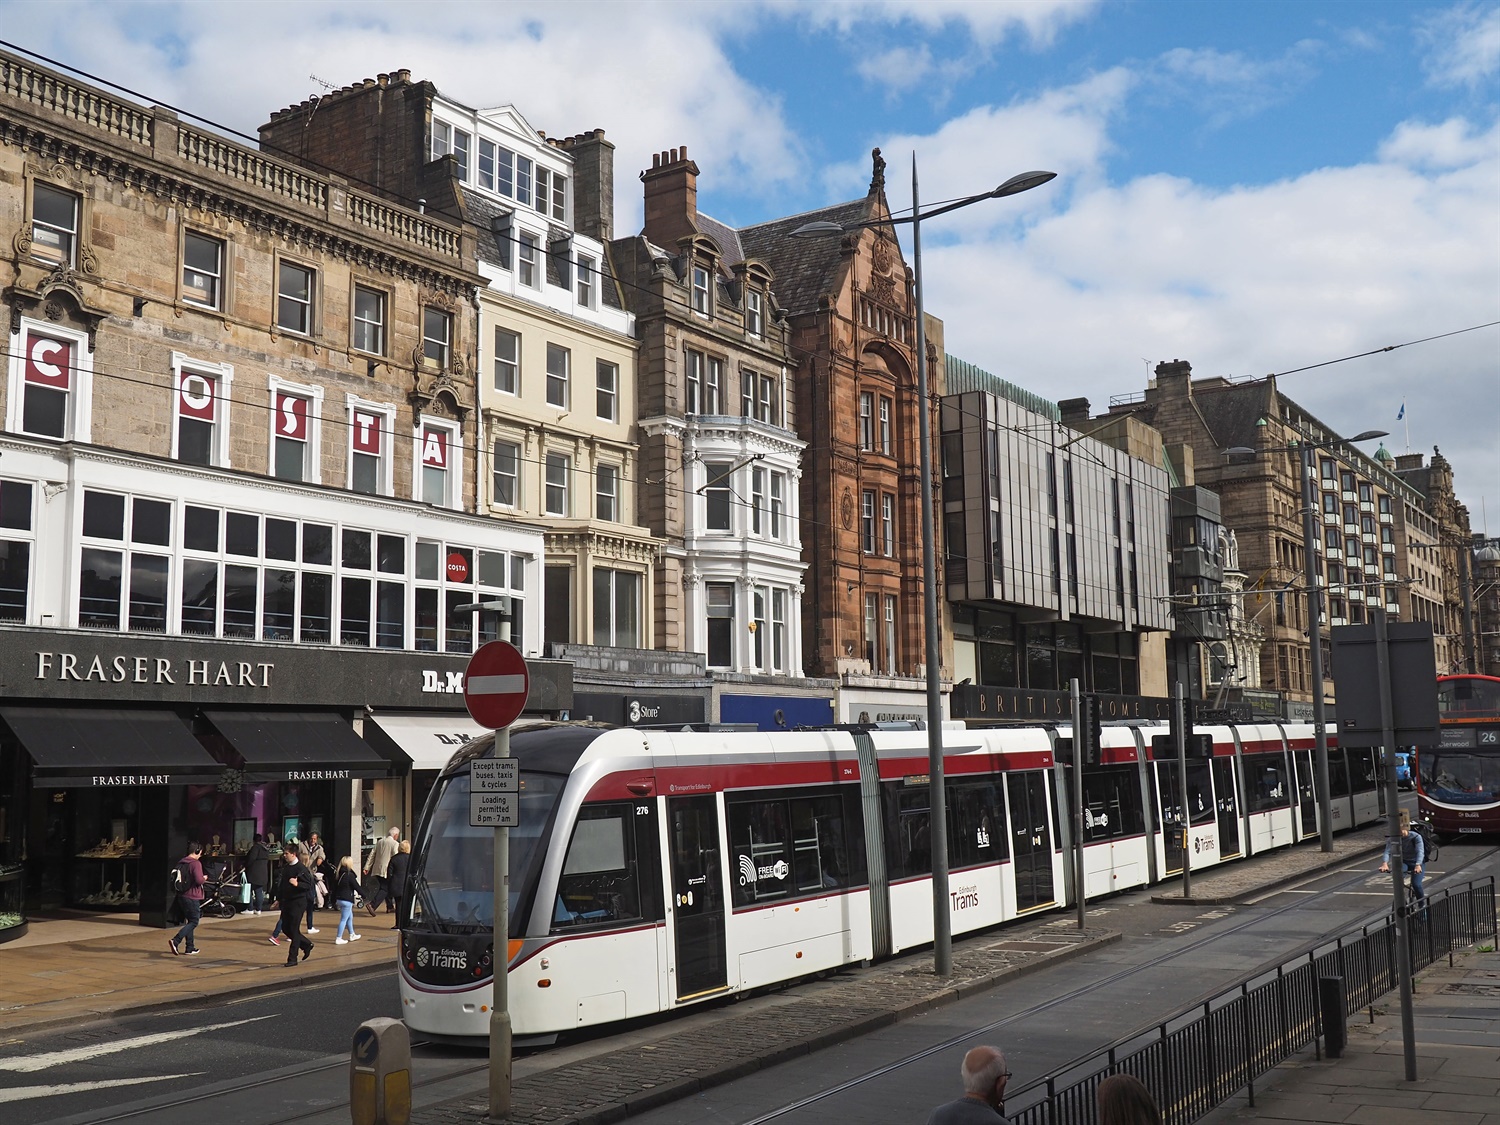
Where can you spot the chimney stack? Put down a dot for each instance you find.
(1174, 379)
(593, 183)
(1074, 413)
(671, 197)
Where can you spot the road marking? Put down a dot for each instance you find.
(30, 1064)
(21, 1093)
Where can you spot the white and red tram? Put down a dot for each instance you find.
(656, 869)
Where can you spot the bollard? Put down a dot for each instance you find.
(1331, 1005)
(380, 1074)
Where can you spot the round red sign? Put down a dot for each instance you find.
(496, 685)
(458, 568)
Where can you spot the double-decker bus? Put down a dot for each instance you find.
(1458, 781)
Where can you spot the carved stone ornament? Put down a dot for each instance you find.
(438, 299)
(438, 395)
(846, 509)
(883, 288)
(883, 255)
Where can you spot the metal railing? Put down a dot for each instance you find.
(1199, 1058)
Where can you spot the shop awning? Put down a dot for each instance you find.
(298, 745)
(88, 747)
(427, 740)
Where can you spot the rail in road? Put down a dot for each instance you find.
(314, 1089)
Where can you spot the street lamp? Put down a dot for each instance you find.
(942, 934)
(1314, 616)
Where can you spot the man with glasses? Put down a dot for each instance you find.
(984, 1075)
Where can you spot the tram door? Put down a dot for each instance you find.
(1031, 839)
(1307, 802)
(697, 894)
(1229, 807)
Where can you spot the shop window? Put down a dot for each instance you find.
(15, 551)
(610, 876)
(278, 609)
(200, 597)
(354, 612)
(617, 608)
(241, 597)
(458, 626)
(316, 624)
(557, 603)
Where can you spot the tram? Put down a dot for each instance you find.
(653, 870)
(1458, 781)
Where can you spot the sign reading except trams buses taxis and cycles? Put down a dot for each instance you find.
(494, 793)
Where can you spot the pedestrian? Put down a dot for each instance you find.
(396, 878)
(258, 872)
(345, 891)
(189, 900)
(1413, 850)
(984, 1076)
(378, 867)
(291, 893)
(1124, 1100)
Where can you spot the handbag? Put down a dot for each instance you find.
(244, 890)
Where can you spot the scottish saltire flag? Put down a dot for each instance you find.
(1400, 414)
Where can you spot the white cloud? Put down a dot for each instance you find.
(664, 80)
(1462, 44)
(1254, 280)
(1230, 85)
(899, 69)
(986, 21)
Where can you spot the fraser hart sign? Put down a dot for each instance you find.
(154, 670)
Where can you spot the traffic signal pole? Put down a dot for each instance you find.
(1079, 734)
(1179, 713)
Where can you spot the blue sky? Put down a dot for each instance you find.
(1252, 187)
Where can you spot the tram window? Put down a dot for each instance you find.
(1338, 773)
(1111, 803)
(1200, 793)
(977, 832)
(602, 876)
(792, 845)
(1266, 782)
(908, 847)
(1365, 772)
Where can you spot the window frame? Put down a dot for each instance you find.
(612, 391)
(615, 634)
(382, 326)
(514, 363)
(561, 380)
(885, 411)
(220, 279)
(14, 535)
(868, 541)
(527, 247)
(515, 475)
(312, 461)
(888, 524)
(441, 346)
(309, 306)
(78, 409)
(556, 459)
(606, 471)
(755, 317)
(221, 376)
(718, 497)
(75, 236)
(712, 612)
(701, 286)
(866, 420)
(385, 414)
(453, 480)
(586, 270)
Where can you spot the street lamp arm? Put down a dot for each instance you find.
(1013, 186)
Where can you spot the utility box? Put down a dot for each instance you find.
(1413, 684)
(380, 1074)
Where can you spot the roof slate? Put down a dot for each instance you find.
(805, 268)
(482, 210)
(1232, 411)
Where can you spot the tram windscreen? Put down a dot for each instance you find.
(452, 878)
(1459, 777)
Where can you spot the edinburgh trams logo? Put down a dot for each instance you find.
(749, 873)
(442, 958)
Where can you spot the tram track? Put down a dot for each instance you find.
(1084, 990)
(275, 1077)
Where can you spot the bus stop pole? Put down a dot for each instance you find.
(1393, 835)
(500, 1037)
(1078, 736)
(1179, 713)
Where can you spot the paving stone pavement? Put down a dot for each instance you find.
(1235, 883)
(1456, 1013)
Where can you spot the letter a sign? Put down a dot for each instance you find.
(496, 684)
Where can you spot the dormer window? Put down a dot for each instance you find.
(701, 293)
(447, 139)
(551, 193)
(754, 313)
(586, 267)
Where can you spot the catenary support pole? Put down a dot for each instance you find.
(1179, 714)
(1315, 643)
(1079, 734)
(942, 930)
(1393, 837)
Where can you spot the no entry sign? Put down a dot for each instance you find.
(496, 685)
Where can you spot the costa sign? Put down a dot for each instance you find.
(49, 362)
(291, 416)
(367, 433)
(195, 396)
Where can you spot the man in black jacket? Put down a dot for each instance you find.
(294, 892)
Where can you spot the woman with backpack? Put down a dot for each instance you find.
(345, 891)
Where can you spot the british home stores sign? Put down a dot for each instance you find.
(45, 664)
